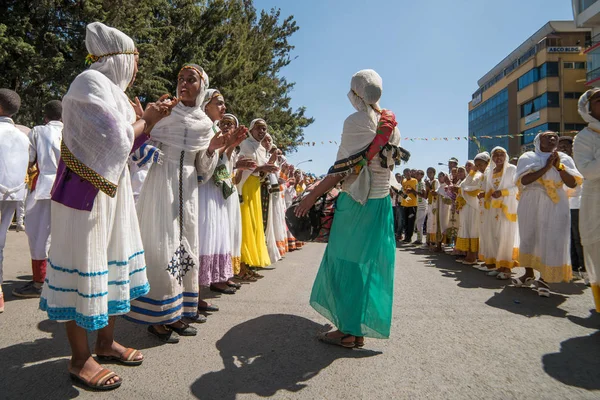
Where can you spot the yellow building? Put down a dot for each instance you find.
(535, 88)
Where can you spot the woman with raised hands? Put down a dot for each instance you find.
(96, 259)
(168, 211)
(544, 213)
(254, 248)
(354, 287)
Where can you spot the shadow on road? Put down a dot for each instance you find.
(526, 302)
(577, 364)
(267, 354)
(466, 276)
(35, 370)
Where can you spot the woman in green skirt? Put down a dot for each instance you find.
(355, 284)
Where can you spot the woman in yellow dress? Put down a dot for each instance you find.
(254, 247)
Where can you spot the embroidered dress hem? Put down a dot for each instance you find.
(96, 264)
(467, 244)
(550, 273)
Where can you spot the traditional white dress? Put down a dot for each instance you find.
(13, 169)
(96, 259)
(468, 232)
(545, 217)
(44, 150)
(168, 215)
(215, 237)
(586, 151)
(443, 210)
(235, 218)
(500, 229)
(432, 211)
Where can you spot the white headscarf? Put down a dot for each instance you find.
(485, 156)
(210, 94)
(187, 128)
(584, 108)
(101, 40)
(234, 118)
(97, 114)
(252, 149)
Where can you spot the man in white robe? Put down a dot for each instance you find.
(44, 151)
(13, 168)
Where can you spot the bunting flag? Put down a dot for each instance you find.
(466, 138)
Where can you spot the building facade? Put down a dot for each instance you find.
(535, 88)
(587, 15)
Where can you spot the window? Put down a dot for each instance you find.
(489, 118)
(579, 65)
(574, 65)
(585, 4)
(548, 99)
(545, 70)
(573, 95)
(569, 65)
(574, 127)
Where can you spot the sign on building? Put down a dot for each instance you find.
(564, 49)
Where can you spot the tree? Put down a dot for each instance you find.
(43, 49)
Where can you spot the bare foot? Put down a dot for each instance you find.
(87, 369)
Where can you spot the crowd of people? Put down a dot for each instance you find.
(496, 213)
(130, 211)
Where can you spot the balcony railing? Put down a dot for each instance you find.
(593, 75)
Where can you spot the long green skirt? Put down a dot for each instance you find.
(354, 288)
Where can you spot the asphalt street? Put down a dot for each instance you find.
(456, 334)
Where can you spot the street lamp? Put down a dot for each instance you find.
(303, 162)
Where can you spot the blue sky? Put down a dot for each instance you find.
(430, 54)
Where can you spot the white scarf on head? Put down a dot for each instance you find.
(187, 128)
(97, 115)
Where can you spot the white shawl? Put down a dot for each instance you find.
(187, 128)
(508, 201)
(97, 114)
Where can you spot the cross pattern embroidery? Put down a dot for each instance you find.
(180, 264)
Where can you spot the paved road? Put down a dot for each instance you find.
(457, 335)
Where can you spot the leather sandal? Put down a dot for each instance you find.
(229, 290)
(168, 337)
(127, 358)
(234, 285)
(184, 330)
(98, 381)
(336, 341)
(208, 308)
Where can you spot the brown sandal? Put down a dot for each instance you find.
(336, 341)
(127, 358)
(98, 381)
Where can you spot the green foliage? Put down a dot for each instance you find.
(42, 49)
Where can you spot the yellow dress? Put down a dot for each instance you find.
(254, 245)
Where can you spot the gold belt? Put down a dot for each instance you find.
(97, 180)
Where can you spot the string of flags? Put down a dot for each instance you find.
(455, 138)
